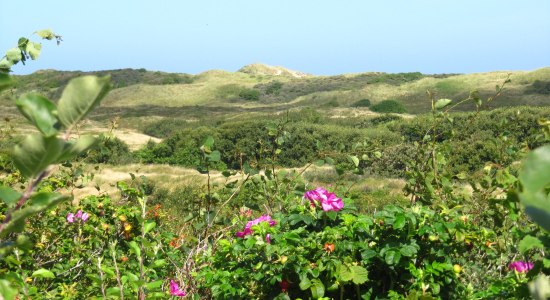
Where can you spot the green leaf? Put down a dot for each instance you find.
(40, 111)
(536, 167)
(135, 248)
(399, 222)
(154, 285)
(148, 226)
(209, 142)
(355, 274)
(8, 195)
(529, 242)
(33, 49)
(408, 250)
(354, 159)
(35, 153)
(6, 291)
(43, 273)
(360, 274)
(159, 263)
(75, 148)
(80, 96)
(215, 156)
(304, 283)
(441, 103)
(392, 257)
(534, 179)
(46, 34)
(5, 65)
(317, 289)
(14, 55)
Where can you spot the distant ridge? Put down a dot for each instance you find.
(262, 69)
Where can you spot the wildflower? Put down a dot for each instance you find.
(70, 218)
(84, 217)
(521, 266)
(122, 218)
(175, 289)
(79, 215)
(268, 238)
(248, 228)
(328, 201)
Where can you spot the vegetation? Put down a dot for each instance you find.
(474, 224)
(389, 106)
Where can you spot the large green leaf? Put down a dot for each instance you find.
(6, 291)
(35, 153)
(535, 178)
(529, 242)
(45, 34)
(14, 55)
(74, 148)
(441, 103)
(43, 273)
(5, 66)
(79, 97)
(40, 111)
(317, 289)
(355, 274)
(8, 195)
(33, 49)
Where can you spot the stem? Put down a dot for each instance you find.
(119, 282)
(101, 277)
(143, 202)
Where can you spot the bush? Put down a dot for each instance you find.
(389, 106)
(250, 94)
(362, 103)
(111, 150)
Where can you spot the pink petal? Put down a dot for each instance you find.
(175, 289)
(70, 217)
(85, 217)
(268, 238)
(78, 214)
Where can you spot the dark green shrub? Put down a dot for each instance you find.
(362, 103)
(389, 106)
(110, 150)
(165, 127)
(250, 94)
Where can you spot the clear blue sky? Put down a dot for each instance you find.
(317, 37)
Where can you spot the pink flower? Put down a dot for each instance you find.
(248, 228)
(328, 201)
(84, 217)
(175, 289)
(70, 217)
(268, 238)
(78, 214)
(521, 266)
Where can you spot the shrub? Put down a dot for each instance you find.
(362, 103)
(389, 106)
(250, 94)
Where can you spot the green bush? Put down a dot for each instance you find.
(388, 106)
(249, 94)
(362, 103)
(110, 150)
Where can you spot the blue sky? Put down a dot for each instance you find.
(317, 37)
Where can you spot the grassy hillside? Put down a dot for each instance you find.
(259, 88)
